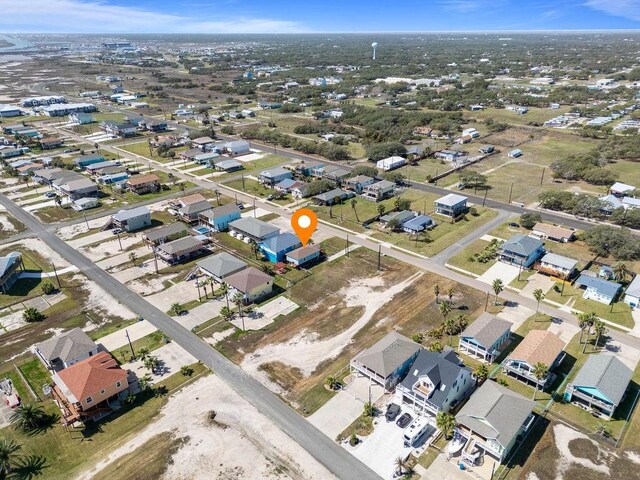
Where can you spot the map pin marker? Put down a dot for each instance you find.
(304, 222)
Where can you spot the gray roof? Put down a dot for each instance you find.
(221, 211)
(487, 329)
(8, 261)
(419, 222)
(124, 215)
(165, 231)
(227, 164)
(66, 346)
(402, 216)
(333, 194)
(495, 412)
(176, 246)
(253, 227)
(451, 199)
(389, 353)
(634, 287)
(606, 373)
(523, 245)
(559, 261)
(275, 172)
(381, 185)
(603, 287)
(282, 242)
(78, 184)
(196, 207)
(222, 264)
(442, 369)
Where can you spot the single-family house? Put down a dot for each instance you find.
(275, 248)
(191, 213)
(180, 250)
(448, 155)
(10, 152)
(274, 175)
(552, 232)
(203, 143)
(96, 168)
(539, 346)
(165, 233)
(632, 294)
(557, 266)
(251, 283)
(85, 203)
(63, 350)
(379, 190)
(332, 197)
(435, 382)
(387, 361)
(418, 224)
(521, 250)
(491, 422)
(237, 147)
(288, 184)
(47, 175)
(80, 187)
(81, 118)
(132, 219)
(84, 160)
(190, 155)
(515, 153)
(119, 129)
(451, 205)
(391, 163)
(252, 229)
(228, 165)
(399, 218)
(10, 267)
(304, 255)
(218, 218)
(220, 266)
(154, 125)
(90, 389)
(142, 184)
(484, 337)
(206, 158)
(600, 385)
(9, 111)
(620, 189)
(113, 178)
(47, 143)
(335, 174)
(357, 184)
(598, 289)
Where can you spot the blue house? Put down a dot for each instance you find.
(521, 250)
(113, 178)
(276, 248)
(418, 224)
(303, 255)
(273, 176)
(84, 160)
(219, 218)
(484, 337)
(598, 289)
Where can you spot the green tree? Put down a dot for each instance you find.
(144, 382)
(620, 271)
(436, 290)
(332, 382)
(255, 249)
(446, 423)
(32, 314)
(528, 220)
(176, 308)
(436, 346)
(498, 287)
(8, 448)
(400, 464)
(585, 322)
(381, 209)
(143, 353)
(481, 373)
(28, 417)
(449, 326)
(538, 294)
(47, 287)
(224, 290)
(238, 300)
(151, 363)
(540, 371)
(600, 329)
(186, 370)
(226, 313)
(369, 410)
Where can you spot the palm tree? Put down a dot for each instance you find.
(226, 313)
(538, 294)
(224, 290)
(28, 417)
(255, 249)
(445, 309)
(238, 300)
(450, 294)
(354, 202)
(144, 382)
(620, 271)
(540, 370)
(461, 322)
(332, 382)
(436, 290)
(151, 363)
(381, 209)
(143, 353)
(498, 287)
(399, 463)
(586, 321)
(600, 329)
(176, 308)
(449, 325)
(217, 194)
(436, 346)
(172, 179)
(132, 258)
(446, 423)
(7, 449)
(481, 373)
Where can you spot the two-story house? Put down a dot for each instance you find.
(143, 184)
(451, 205)
(484, 337)
(66, 349)
(521, 250)
(218, 218)
(539, 346)
(275, 248)
(379, 190)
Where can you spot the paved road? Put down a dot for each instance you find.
(326, 451)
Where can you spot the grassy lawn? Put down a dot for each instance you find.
(250, 186)
(538, 115)
(68, 453)
(430, 454)
(151, 342)
(361, 426)
(524, 279)
(465, 260)
(36, 374)
(428, 167)
(258, 165)
(111, 328)
(333, 245)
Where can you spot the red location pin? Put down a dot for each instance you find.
(304, 222)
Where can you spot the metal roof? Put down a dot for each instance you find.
(123, 215)
(8, 262)
(556, 260)
(606, 373)
(634, 287)
(603, 287)
(418, 223)
(521, 245)
(451, 199)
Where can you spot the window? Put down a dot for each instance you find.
(89, 399)
(103, 391)
(118, 384)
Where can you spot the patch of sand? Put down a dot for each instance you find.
(251, 444)
(563, 436)
(102, 301)
(305, 351)
(71, 231)
(149, 285)
(104, 249)
(633, 456)
(6, 225)
(43, 249)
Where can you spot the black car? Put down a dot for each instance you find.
(393, 411)
(404, 420)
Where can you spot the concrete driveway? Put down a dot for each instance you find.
(119, 338)
(5, 412)
(536, 281)
(564, 330)
(345, 406)
(266, 314)
(172, 357)
(515, 314)
(202, 313)
(506, 273)
(182, 292)
(380, 449)
(626, 354)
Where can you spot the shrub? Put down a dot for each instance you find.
(48, 288)
(32, 314)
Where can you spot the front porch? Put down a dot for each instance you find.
(526, 376)
(588, 402)
(477, 351)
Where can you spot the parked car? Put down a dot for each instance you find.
(514, 224)
(404, 420)
(116, 231)
(393, 411)
(50, 194)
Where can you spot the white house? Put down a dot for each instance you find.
(391, 163)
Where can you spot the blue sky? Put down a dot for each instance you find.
(279, 16)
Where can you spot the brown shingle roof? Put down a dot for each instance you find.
(142, 179)
(189, 199)
(86, 378)
(538, 346)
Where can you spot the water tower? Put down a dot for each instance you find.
(374, 45)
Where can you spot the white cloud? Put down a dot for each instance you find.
(620, 8)
(462, 6)
(97, 16)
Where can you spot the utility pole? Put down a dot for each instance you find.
(243, 181)
(56, 274)
(155, 258)
(254, 208)
(347, 249)
(379, 257)
(542, 176)
(198, 287)
(485, 196)
(486, 303)
(133, 354)
(85, 220)
(510, 192)
(119, 241)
